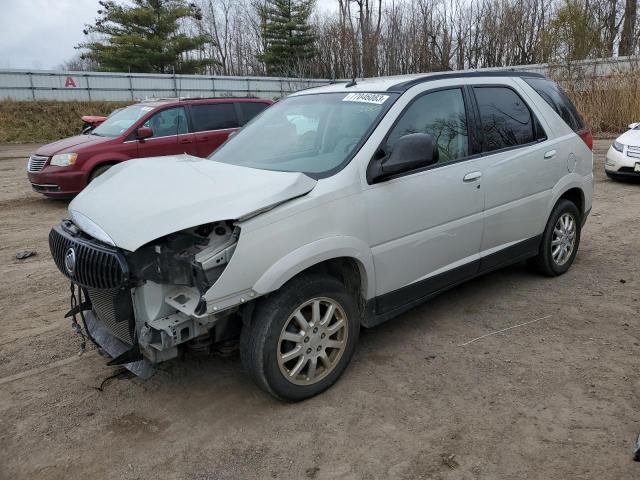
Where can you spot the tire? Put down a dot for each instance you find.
(263, 348)
(549, 261)
(98, 171)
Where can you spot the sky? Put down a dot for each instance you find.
(41, 34)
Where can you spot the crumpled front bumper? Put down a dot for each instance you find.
(114, 346)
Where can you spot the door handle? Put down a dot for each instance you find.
(203, 139)
(550, 154)
(186, 140)
(472, 176)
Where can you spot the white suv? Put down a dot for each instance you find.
(339, 207)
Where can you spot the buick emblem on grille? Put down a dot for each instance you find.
(70, 261)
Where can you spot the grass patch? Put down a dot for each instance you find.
(44, 121)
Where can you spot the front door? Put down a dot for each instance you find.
(170, 134)
(426, 226)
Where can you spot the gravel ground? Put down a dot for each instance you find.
(555, 399)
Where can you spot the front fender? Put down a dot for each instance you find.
(315, 252)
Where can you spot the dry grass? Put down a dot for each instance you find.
(607, 103)
(43, 121)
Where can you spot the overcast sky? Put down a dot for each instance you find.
(41, 34)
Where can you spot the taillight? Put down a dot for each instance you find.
(587, 138)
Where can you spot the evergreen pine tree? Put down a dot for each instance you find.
(146, 37)
(288, 37)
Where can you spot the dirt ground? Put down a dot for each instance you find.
(556, 399)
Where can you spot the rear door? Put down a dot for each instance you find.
(522, 166)
(212, 124)
(171, 134)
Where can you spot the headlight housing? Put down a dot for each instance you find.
(64, 159)
(618, 146)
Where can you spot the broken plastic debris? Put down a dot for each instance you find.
(25, 254)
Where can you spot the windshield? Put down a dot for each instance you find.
(117, 123)
(313, 134)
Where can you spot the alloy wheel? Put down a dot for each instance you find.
(312, 341)
(563, 239)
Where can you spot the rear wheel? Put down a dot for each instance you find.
(560, 240)
(301, 338)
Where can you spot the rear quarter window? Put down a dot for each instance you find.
(558, 100)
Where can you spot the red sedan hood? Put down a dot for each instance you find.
(66, 144)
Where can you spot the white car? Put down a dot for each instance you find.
(623, 157)
(337, 208)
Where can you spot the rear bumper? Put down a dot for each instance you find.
(58, 181)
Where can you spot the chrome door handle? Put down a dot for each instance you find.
(550, 154)
(472, 176)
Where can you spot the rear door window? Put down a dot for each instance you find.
(505, 119)
(213, 116)
(250, 110)
(558, 100)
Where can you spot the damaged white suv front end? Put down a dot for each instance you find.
(146, 270)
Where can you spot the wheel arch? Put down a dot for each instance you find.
(346, 258)
(572, 189)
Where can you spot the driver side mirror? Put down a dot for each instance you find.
(633, 125)
(410, 152)
(144, 132)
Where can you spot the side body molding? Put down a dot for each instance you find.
(315, 252)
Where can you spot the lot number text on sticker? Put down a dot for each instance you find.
(376, 98)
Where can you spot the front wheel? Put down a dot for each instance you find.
(301, 338)
(560, 240)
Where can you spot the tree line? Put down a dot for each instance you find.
(355, 38)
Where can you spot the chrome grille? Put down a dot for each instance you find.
(36, 163)
(94, 265)
(633, 152)
(114, 309)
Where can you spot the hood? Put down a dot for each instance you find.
(140, 200)
(66, 144)
(630, 137)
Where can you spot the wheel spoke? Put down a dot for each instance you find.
(324, 358)
(315, 312)
(291, 354)
(328, 315)
(302, 322)
(298, 367)
(555, 242)
(311, 373)
(334, 344)
(332, 329)
(292, 337)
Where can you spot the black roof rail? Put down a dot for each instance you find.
(403, 86)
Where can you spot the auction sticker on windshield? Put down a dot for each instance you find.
(376, 98)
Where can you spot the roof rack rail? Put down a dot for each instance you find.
(161, 99)
(403, 86)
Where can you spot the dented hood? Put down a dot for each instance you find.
(140, 200)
